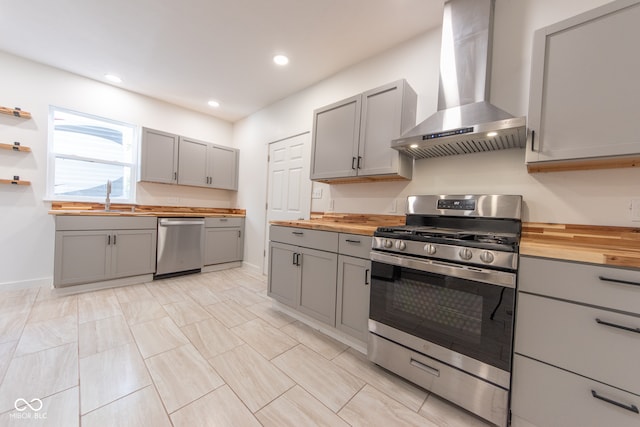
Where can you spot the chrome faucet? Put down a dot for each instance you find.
(107, 201)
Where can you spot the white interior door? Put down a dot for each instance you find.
(289, 186)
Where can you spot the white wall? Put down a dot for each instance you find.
(26, 229)
(586, 197)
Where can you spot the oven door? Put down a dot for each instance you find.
(458, 308)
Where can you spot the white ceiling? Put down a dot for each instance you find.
(188, 52)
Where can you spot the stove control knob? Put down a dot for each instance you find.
(486, 257)
(465, 253)
(387, 243)
(430, 249)
(400, 245)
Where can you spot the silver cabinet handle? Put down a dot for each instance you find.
(623, 282)
(428, 369)
(632, 408)
(114, 239)
(352, 241)
(108, 239)
(366, 277)
(297, 233)
(614, 325)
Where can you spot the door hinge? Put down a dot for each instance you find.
(268, 158)
(266, 206)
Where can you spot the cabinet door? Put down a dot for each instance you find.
(134, 252)
(318, 284)
(223, 167)
(192, 165)
(284, 274)
(380, 123)
(222, 245)
(81, 257)
(336, 131)
(550, 397)
(159, 157)
(584, 86)
(352, 308)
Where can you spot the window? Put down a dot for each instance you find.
(87, 151)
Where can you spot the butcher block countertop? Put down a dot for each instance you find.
(364, 224)
(613, 246)
(117, 209)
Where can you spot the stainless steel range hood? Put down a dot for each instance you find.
(465, 121)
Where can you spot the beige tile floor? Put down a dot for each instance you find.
(198, 350)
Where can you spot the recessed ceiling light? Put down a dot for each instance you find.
(213, 104)
(113, 78)
(281, 60)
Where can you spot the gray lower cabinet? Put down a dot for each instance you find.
(302, 271)
(576, 345)
(322, 274)
(304, 279)
(85, 252)
(352, 308)
(223, 240)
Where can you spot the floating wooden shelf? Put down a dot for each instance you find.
(16, 112)
(14, 147)
(15, 182)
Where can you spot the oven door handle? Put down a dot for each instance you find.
(493, 277)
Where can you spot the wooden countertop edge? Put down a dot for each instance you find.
(154, 214)
(351, 228)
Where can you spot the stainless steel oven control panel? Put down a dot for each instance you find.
(463, 254)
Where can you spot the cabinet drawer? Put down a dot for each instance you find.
(321, 240)
(550, 397)
(223, 222)
(569, 336)
(587, 283)
(355, 245)
(97, 222)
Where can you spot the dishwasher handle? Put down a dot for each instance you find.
(166, 222)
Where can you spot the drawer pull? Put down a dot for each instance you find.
(297, 233)
(624, 282)
(632, 408)
(613, 325)
(428, 369)
(353, 241)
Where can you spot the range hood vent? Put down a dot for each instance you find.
(465, 121)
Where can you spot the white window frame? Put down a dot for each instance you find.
(51, 160)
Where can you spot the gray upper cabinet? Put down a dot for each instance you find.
(352, 137)
(224, 167)
(584, 90)
(159, 157)
(336, 129)
(207, 165)
(193, 163)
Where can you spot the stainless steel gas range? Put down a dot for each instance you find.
(443, 298)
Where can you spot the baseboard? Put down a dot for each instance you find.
(334, 333)
(115, 283)
(252, 268)
(45, 282)
(218, 267)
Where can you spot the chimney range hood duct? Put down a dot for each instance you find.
(465, 122)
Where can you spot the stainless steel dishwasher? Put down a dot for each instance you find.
(180, 246)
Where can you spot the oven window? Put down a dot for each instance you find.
(472, 318)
